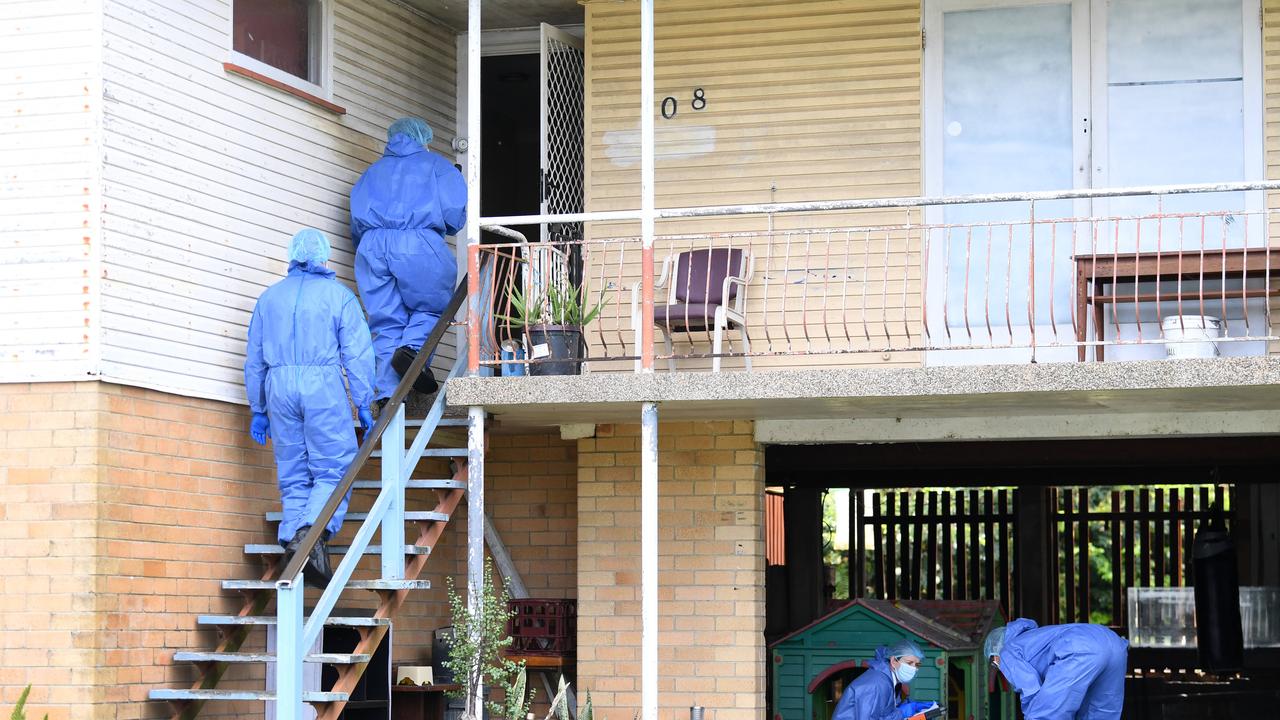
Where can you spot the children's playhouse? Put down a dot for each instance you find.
(813, 665)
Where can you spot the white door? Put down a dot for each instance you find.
(1177, 94)
(1007, 102)
(1025, 95)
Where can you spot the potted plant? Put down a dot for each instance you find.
(553, 323)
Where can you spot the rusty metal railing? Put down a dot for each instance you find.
(1073, 276)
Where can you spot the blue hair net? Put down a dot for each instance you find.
(994, 643)
(415, 128)
(905, 647)
(309, 246)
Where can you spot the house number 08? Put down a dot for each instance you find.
(671, 106)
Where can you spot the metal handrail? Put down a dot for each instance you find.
(294, 567)
(884, 203)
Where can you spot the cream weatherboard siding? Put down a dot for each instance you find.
(50, 107)
(207, 174)
(1271, 90)
(806, 100)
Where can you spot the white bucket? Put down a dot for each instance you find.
(1190, 336)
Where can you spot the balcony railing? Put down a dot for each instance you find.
(1073, 276)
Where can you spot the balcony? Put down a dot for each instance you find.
(1080, 292)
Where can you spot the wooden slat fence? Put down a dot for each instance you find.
(1144, 534)
(933, 544)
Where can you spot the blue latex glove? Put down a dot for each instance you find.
(910, 708)
(260, 428)
(366, 419)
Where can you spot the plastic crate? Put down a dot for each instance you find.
(542, 626)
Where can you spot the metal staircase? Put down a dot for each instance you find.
(402, 565)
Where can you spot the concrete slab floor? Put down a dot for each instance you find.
(1161, 386)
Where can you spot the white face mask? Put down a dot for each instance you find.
(906, 673)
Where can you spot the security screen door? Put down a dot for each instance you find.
(1026, 95)
(562, 176)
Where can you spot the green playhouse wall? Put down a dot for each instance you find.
(854, 635)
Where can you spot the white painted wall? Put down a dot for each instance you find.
(207, 174)
(50, 110)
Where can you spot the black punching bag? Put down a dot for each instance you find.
(1217, 586)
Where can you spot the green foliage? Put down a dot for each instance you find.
(587, 712)
(560, 703)
(834, 560)
(475, 651)
(564, 304)
(528, 310)
(515, 703)
(19, 711)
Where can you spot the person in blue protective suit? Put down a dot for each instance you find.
(873, 695)
(1062, 672)
(306, 331)
(401, 210)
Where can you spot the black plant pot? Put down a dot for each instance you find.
(564, 346)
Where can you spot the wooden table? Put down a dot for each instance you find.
(1098, 276)
(419, 702)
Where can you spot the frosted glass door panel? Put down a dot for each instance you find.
(1175, 105)
(1007, 100)
(1157, 40)
(1007, 127)
(1175, 115)
(1170, 134)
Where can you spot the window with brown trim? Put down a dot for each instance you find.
(285, 34)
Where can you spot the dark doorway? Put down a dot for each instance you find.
(510, 155)
(511, 161)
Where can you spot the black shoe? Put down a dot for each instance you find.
(291, 546)
(318, 572)
(402, 358)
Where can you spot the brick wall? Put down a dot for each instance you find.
(531, 496)
(122, 510)
(49, 485)
(711, 562)
(183, 490)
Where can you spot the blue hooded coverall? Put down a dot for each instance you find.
(306, 329)
(1065, 672)
(401, 209)
(871, 695)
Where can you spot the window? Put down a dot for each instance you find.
(287, 35)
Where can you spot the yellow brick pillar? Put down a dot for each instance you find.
(711, 558)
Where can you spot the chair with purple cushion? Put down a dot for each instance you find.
(706, 292)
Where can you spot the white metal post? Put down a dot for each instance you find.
(475, 415)
(289, 649)
(393, 484)
(649, 410)
(474, 311)
(649, 561)
(648, 202)
(475, 522)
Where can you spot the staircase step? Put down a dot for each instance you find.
(275, 549)
(416, 484)
(353, 585)
(435, 452)
(418, 515)
(172, 694)
(271, 620)
(238, 657)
